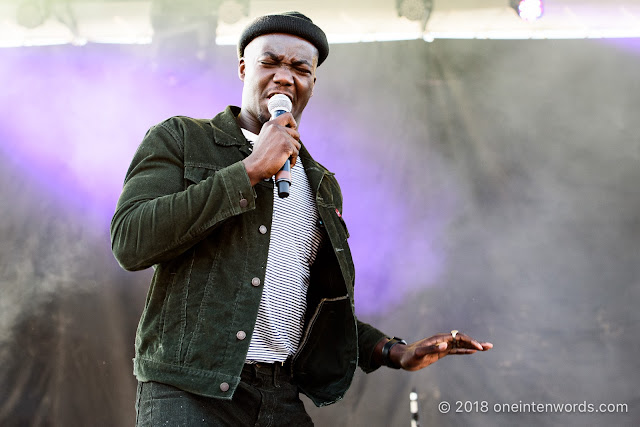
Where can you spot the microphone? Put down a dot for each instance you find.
(413, 406)
(279, 104)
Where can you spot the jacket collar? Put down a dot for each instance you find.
(225, 128)
(226, 132)
(314, 170)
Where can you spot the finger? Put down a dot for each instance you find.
(440, 338)
(486, 346)
(294, 134)
(462, 351)
(436, 340)
(466, 341)
(295, 145)
(431, 349)
(286, 120)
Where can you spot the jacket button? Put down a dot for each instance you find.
(244, 203)
(255, 281)
(263, 229)
(224, 387)
(241, 335)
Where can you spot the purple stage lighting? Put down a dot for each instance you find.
(529, 10)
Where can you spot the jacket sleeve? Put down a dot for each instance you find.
(157, 216)
(368, 337)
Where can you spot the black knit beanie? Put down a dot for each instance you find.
(294, 23)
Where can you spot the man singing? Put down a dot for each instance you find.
(251, 301)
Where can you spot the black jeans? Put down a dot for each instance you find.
(265, 397)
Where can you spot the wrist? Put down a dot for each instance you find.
(390, 352)
(251, 172)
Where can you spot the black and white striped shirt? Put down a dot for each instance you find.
(293, 246)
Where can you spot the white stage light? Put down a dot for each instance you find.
(529, 10)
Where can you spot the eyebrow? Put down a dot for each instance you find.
(277, 58)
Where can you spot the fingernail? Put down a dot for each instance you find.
(442, 346)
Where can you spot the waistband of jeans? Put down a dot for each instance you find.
(281, 368)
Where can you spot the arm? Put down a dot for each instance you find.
(368, 339)
(156, 218)
(423, 353)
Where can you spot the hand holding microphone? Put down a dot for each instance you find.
(278, 141)
(279, 104)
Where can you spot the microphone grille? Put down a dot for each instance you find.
(279, 102)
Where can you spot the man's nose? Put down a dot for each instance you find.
(283, 76)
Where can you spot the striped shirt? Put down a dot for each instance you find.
(293, 246)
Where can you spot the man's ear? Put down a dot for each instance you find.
(241, 67)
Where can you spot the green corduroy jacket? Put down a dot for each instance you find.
(188, 210)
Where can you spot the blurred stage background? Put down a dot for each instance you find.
(490, 186)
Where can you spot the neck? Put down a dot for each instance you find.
(248, 122)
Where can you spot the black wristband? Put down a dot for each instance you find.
(386, 349)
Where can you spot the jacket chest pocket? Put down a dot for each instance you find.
(336, 229)
(328, 195)
(195, 174)
(342, 222)
(333, 222)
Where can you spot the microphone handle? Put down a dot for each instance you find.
(283, 179)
